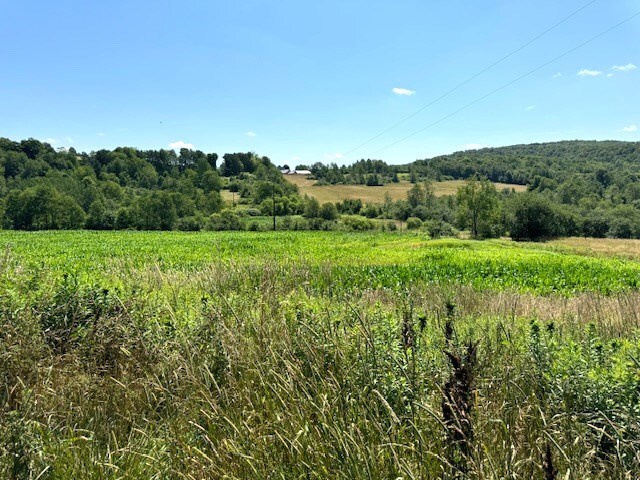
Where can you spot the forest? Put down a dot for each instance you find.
(574, 188)
(43, 188)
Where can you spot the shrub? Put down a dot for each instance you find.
(413, 223)
(438, 228)
(189, 224)
(371, 210)
(350, 207)
(373, 181)
(254, 226)
(357, 223)
(422, 212)
(226, 220)
(253, 212)
(328, 211)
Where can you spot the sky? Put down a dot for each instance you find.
(302, 82)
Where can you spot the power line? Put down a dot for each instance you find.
(511, 82)
(449, 92)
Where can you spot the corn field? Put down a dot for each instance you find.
(312, 355)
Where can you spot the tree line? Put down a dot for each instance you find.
(574, 188)
(586, 188)
(45, 188)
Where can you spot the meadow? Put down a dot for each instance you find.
(397, 191)
(316, 355)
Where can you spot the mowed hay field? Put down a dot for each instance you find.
(397, 191)
(614, 247)
(277, 355)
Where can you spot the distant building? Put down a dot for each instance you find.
(295, 172)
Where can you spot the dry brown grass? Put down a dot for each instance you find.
(229, 197)
(397, 191)
(614, 247)
(614, 315)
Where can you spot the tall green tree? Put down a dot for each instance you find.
(156, 211)
(534, 217)
(43, 208)
(479, 208)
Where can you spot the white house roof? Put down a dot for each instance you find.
(295, 172)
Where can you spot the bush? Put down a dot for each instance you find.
(350, 207)
(286, 223)
(373, 181)
(311, 208)
(319, 224)
(253, 212)
(328, 211)
(438, 228)
(422, 212)
(189, 224)
(413, 223)
(357, 223)
(371, 210)
(299, 224)
(254, 226)
(227, 220)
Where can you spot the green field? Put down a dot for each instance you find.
(352, 260)
(315, 355)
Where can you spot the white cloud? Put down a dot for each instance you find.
(333, 156)
(557, 75)
(609, 75)
(250, 134)
(630, 128)
(180, 144)
(530, 107)
(295, 158)
(624, 68)
(100, 134)
(50, 141)
(69, 139)
(403, 91)
(473, 146)
(589, 73)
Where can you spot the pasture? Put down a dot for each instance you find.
(611, 247)
(397, 191)
(315, 355)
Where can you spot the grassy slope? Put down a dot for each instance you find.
(397, 191)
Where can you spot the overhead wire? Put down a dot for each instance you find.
(440, 120)
(473, 77)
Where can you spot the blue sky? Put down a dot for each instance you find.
(303, 81)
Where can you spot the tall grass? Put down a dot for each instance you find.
(233, 371)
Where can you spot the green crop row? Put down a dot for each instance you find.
(342, 260)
